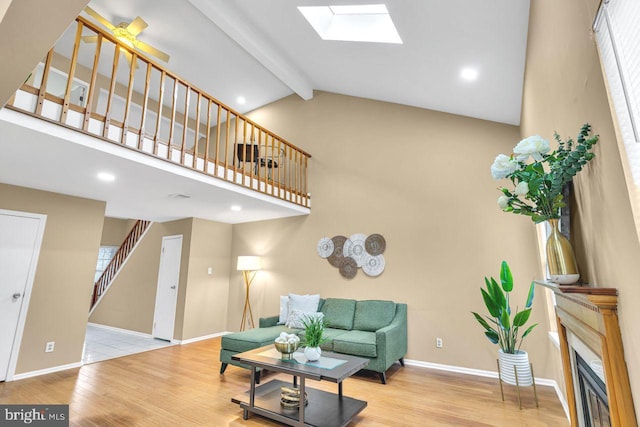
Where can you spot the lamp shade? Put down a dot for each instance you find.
(248, 263)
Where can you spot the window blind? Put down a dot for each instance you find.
(618, 39)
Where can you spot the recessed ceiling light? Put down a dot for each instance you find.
(106, 176)
(354, 23)
(236, 208)
(469, 74)
(241, 100)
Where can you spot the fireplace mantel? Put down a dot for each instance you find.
(591, 314)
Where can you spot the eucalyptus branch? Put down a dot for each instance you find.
(541, 181)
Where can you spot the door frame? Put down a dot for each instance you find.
(175, 302)
(26, 298)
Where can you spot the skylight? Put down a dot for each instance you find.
(353, 23)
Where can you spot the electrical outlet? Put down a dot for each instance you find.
(438, 342)
(210, 270)
(50, 346)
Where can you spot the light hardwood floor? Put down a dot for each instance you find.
(181, 386)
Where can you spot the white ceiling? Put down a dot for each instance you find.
(265, 50)
(287, 55)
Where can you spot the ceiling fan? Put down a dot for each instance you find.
(127, 33)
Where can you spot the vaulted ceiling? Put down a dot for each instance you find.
(263, 50)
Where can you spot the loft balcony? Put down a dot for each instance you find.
(94, 99)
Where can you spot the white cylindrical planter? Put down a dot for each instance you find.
(312, 353)
(521, 362)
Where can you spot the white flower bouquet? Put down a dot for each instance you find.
(538, 185)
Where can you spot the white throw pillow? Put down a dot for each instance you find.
(284, 309)
(306, 303)
(296, 318)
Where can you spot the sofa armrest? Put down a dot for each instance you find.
(266, 322)
(391, 341)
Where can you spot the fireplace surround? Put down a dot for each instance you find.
(588, 316)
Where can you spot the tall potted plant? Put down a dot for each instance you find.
(503, 326)
(538, 177)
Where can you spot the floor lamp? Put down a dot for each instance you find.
(249, 265)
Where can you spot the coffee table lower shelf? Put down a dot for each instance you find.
(323, 410)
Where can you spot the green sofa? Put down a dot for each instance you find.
(374, 329)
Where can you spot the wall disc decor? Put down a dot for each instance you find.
(336, 257)
(375, 244)
(354, 248)
(348, 268)
(325, 247)
(358, 251)
(373, 265)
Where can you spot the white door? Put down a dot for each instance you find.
(167, 293)
(20, 239)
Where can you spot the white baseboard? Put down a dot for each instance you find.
(563, 401)
(125, 331)
(489, 374)
(45, 371)
(202, 338)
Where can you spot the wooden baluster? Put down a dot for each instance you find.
(197, 133)
(43, 85)
(275, 157)
(72, 72)
(216, 154)
(208, 139)
(185, 123)
(226, 149)
(145, 106)
(112, 88)
(172, 122)
(92, 84)
(159, 116)
(235, 144)
(306, 180)
(127, 105)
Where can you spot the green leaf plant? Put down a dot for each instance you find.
(313, 331)
(500, 326)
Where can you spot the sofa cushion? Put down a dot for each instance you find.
(252, 338)
(373, 315)
(339, 312)
(329, 335)
(357, 343)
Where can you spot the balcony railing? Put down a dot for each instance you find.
(113, 92)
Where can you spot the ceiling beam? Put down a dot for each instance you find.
(226, 17)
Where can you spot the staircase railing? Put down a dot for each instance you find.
(118, 260)
(108, 90)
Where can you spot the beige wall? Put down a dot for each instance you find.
(130, 301)
(421, 179)
(61, 293)
(205, 306)
(39, 24)
(563, 89)
(202, 298)
(115, 230)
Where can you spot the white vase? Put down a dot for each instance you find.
(312, 353)
(519, 360)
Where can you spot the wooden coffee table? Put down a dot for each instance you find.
(323, 408)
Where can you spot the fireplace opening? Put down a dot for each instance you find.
(593, 395)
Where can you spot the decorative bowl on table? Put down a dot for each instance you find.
(287, 344)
